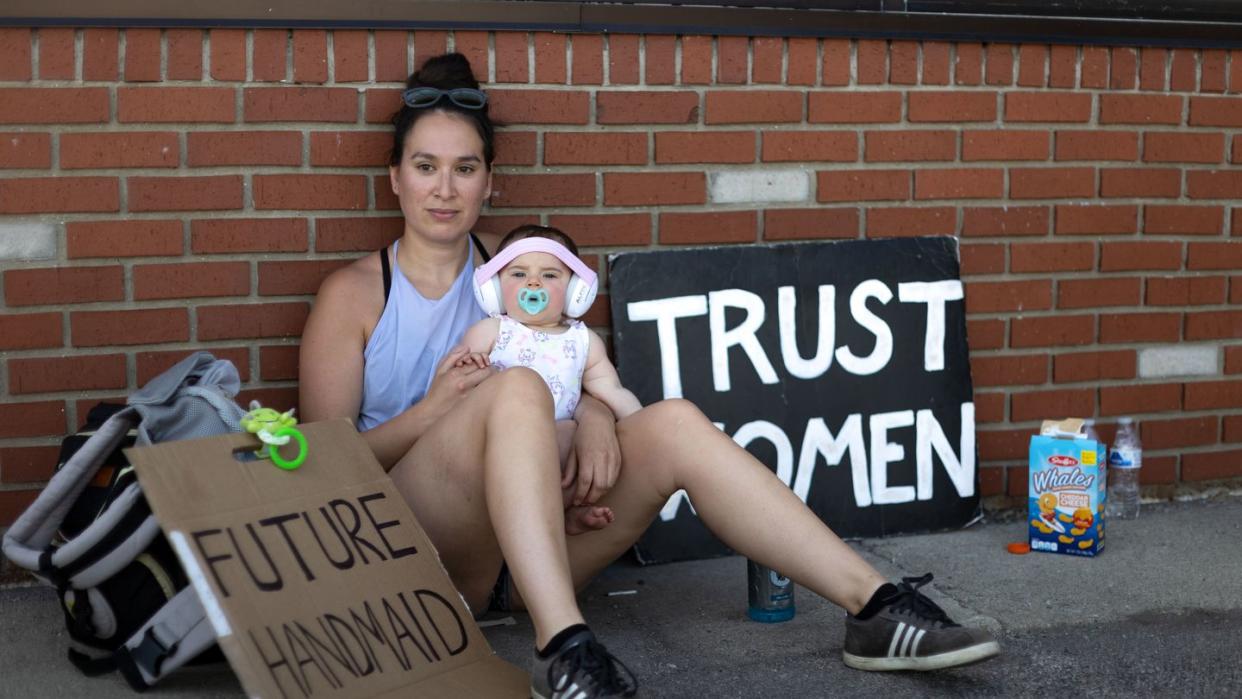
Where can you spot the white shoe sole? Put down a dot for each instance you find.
(962, 656)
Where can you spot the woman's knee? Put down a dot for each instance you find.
(669, 416)
(652, 439)
(664, 420)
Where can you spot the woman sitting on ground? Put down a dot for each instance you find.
(479, 465)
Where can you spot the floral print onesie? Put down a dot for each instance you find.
(560, 358)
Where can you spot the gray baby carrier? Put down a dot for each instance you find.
(91, 535)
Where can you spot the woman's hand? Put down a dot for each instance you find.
(595, 457)
(455, 376)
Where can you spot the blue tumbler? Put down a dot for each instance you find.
(770, 594)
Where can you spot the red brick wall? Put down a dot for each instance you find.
(191, 188)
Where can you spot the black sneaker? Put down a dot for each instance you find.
(583, 669)
(911, 633)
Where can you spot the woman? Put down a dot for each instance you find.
(480, 467)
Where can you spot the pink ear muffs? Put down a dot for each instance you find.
(579, 293)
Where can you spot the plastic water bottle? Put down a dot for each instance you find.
(770, 595)
(1124, 461)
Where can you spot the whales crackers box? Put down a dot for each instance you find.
(1066, 489)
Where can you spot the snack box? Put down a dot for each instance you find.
(1066, 490)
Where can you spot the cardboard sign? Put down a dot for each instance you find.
(843, 366)
(319, 582)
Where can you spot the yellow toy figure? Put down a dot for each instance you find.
(274, 430)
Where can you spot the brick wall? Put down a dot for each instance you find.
(167, 190)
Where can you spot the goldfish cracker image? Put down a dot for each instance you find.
(1048, 512)
(1066, 490)
(1083, 519)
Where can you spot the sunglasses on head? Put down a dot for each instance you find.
(464, 97)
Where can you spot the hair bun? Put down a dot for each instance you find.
(446, 71)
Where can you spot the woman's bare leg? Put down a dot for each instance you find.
(671, 445)
(486, 479)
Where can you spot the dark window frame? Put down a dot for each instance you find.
(1188, 23)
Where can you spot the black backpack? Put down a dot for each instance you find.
(91, 535)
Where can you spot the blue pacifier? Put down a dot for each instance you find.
(533, 301)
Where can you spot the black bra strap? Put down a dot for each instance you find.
(478, 244)
(383, 253)
(386, 266)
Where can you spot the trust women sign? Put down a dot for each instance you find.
(842, 366)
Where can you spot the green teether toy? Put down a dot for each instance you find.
(274, 430)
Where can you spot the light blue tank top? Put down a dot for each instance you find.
(412, 336)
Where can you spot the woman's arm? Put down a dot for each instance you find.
(595, 457)
(331, 364)
(391, 440)
(595, 461)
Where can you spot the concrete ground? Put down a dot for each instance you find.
(1156, 614)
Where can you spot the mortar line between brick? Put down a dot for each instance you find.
(677, 61)
(288, 76)
(79, 43)
(163, 58)
(606, 68)
(531, 65)
(491, 58)
(204, 56)
(122, 46)
(248, 49)
(329, 57)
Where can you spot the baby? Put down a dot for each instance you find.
(534, 290)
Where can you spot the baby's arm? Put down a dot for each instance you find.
(600, 380)
(478, 340)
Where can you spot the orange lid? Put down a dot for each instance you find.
(1018, 547)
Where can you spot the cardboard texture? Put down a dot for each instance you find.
(319, 582)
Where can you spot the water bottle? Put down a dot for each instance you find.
(1124, 461)
(770, 595)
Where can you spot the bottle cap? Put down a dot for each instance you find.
(1018, 547)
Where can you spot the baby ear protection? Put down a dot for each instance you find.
(579, 293)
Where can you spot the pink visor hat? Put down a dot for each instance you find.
(579, 293)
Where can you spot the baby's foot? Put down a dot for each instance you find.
(584, 518)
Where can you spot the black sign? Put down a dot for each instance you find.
(841, 366)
